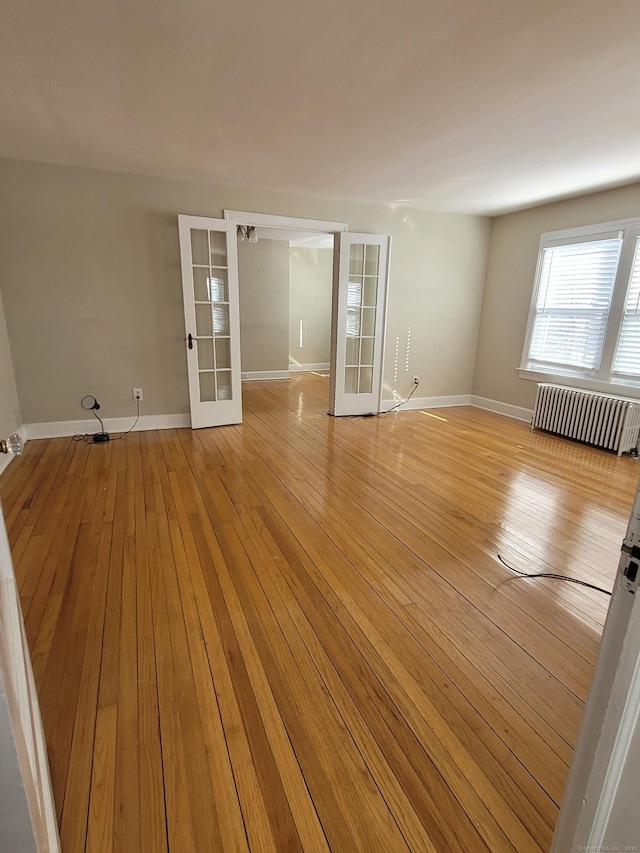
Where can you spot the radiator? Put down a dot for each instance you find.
(598, 419)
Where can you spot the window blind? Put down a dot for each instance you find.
(627, 359)
(572, 307)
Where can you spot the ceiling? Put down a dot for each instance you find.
(475, 106)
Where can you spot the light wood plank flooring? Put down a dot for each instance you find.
(295, 634)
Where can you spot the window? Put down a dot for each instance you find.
(584, 319)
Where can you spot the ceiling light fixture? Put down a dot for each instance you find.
(247, 232)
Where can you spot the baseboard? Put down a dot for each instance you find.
(309, 368)
(428, 402)
(516, 412)
(252, 375)
(60, 429)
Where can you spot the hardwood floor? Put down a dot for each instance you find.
(295, 634)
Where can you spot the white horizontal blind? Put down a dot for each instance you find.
(572, 306)
(627, 360)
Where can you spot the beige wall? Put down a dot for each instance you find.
(263, 276)
(310, 279)
(10, 417)
(510, 273)
(90, 276)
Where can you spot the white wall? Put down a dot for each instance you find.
(263, 276)
(90, 278)
(310, 285)
(511, 268)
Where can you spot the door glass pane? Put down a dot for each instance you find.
(201, 284)
(221, 319)
(366, 380)
(205, 354)
(207, 387)
(366, 351)
(354, 292)
(204, 322)
(356, 259)
(372, 260)
(224, 384)
(218, 241)
(353, 322)
(368, 322)
(218, 286)
(199, 247)
(352, 352)
(351, 380)
(370, 291)
(223, 353)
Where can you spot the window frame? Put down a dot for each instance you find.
(602, 378)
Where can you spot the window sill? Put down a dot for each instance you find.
(587, 383)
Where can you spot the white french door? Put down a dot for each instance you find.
(361, 271)
(209, 255)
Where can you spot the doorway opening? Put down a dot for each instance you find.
(285, 276)
(209, 259)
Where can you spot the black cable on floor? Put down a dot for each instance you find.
(553, 575)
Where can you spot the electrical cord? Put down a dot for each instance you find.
(392, 409)
(553, 575)
(125, 434)
(402, 402)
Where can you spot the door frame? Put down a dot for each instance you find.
(286, 223)
(320, 226)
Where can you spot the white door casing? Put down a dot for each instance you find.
(209, 258)
(361, 272)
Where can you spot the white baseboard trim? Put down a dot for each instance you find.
(59, 429)
(309, 368)
(252, 375)
(429, 402)
(516, 412)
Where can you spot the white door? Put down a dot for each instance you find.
(361, 271)
(23, 739)
(209, 254)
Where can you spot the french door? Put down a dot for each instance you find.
(209, 255)
(361, 270)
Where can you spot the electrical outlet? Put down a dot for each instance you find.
(137, 395)
(416, 380)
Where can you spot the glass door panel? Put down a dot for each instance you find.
(210, 288)
(359, 312)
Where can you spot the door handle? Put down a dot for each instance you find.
(190, 340)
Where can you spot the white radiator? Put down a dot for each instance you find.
(599, 419)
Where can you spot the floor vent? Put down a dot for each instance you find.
(598, 419)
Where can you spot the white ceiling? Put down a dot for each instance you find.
(479, 106)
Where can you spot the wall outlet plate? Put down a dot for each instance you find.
(137, 394)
